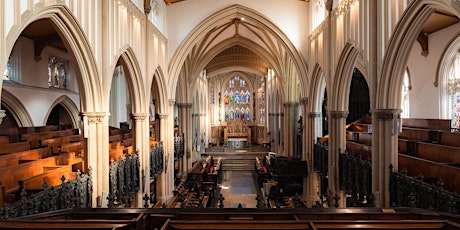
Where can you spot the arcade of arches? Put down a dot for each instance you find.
(228, 78)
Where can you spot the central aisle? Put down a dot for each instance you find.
(239, 187)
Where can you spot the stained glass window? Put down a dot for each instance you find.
(211, 94)
(237, 99)
(261, 96)
(453, 89)
(57, 72)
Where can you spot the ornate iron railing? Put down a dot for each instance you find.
(406, 191)
(123, 180)
(156, 160)
(320, 158)
(70, 194)
(356, 179)
(179, 146)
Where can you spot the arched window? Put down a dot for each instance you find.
(57, 72)
(405, 95)
(453, 89)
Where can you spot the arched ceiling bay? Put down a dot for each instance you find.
(236, 44)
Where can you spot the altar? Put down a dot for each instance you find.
(237, 143)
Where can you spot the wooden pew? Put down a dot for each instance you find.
(438, 153)
(415, 134)
(76, 147)
(35, 138)
(115, 138)
(364, 150)
(449, 138)
(4, 140)
(423, 123)
(361, 137)
(431, 170)
(9, 176)
(14, 147)
(56, 143)
(24, 156)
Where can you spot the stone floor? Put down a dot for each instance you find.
(238, 187)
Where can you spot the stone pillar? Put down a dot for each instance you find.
(142, 145)
(185, 121)
(385, 128)
(290, 129)
(337, 144)
(2, 115)
(96, 132)
(312, 184)
(166, 179)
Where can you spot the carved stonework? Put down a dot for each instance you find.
(94, 117)
(172, 102)
(338, 114)
(291, 104)
(2, 115)
(304, 101)
(184, 105)
(314, 114)
(386, 114)
(163, 115)
(139, 116)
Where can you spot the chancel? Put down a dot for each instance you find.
(186, 114)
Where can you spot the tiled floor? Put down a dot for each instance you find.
(238, 187)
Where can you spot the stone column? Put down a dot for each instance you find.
(290, 128)
(311, 185)
(166, 179)
(2, 115)
(185, 121)
(96, 132)
(142, 145)
(385, 128)
(337, 144)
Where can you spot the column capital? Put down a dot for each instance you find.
(386, 114)
(291, 104)
(304, 101)
(172, 102)
(338, 114)
(94, 117)
(314, 114)
(139, 116)
(163, 115)
(184, 105)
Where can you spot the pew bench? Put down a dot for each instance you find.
(24, 156)
(429, 169)
(14, 147)
(424, 123)
(4, 140)
(9, 176)
(35, 138)
(76, 147)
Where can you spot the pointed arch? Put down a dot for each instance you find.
(442, 73)
(134, 80)
(160, 86)
(395, 59)
(319, 87)
(341, 89)
(69, 106)
(180, 55)
(77, 44)
(17, 109)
